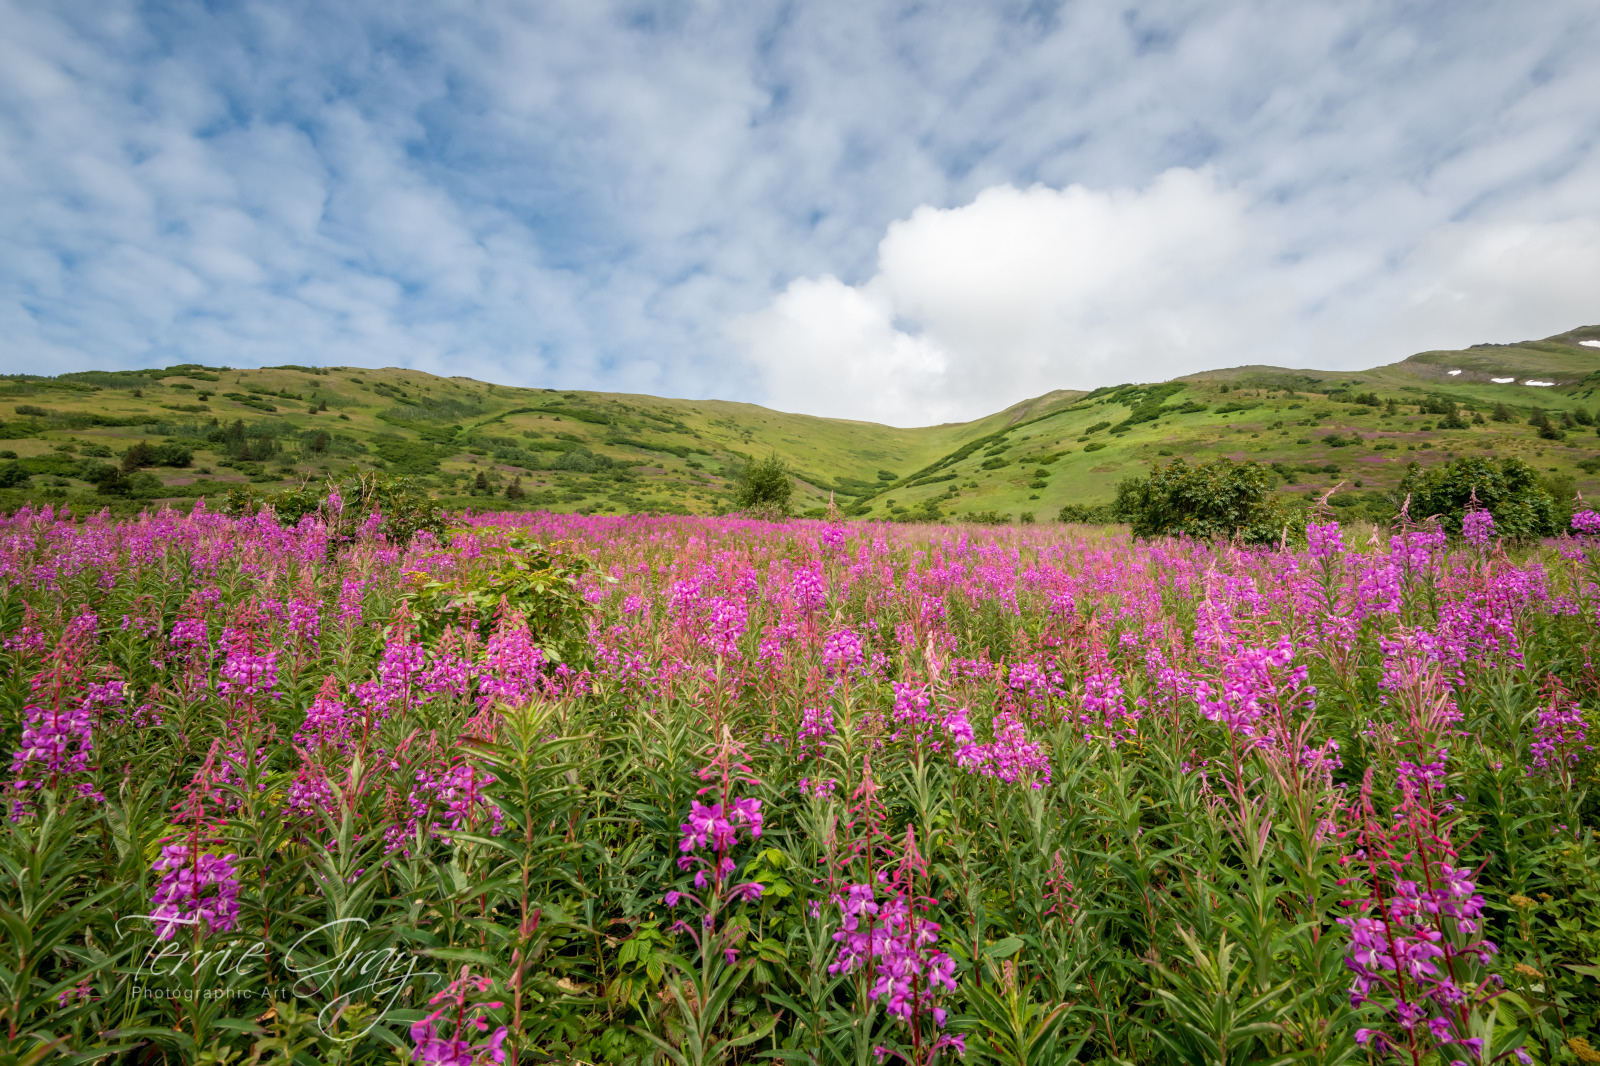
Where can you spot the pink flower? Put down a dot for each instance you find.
(196, 888)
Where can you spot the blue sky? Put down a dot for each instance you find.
(902, 212)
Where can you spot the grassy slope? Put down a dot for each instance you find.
(466, 421)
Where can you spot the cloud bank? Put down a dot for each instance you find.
(1028, 290)
(906, 211)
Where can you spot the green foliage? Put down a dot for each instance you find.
(246, 400)
(18, 430)
(1147, 407)
(581, 414)
(1089, 514)
(143, 454)
(44, 913)
(538, 586)
(1218, 1010)
(1510, 490)
(1217, 499)
(581, 460)
(1547, 429)
(402, 508)
(404, 456)
(1012, 1029)
(764, 486)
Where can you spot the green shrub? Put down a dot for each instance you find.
(1217, 499)
(1095, 446)
(764, 486)
(404, 508)
(174, 455)
(1547, 430)
(138, 455)
(406, 456)
(1510, 490)
(247, 400)
(1094, 514)
(581, 460)
(540, 586)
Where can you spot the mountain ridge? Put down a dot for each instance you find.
(468, 441)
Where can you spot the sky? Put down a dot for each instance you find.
(907, 213)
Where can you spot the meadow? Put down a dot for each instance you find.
(694, 791)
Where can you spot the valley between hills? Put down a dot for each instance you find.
(204, 431)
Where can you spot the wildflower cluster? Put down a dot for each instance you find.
(197, 889)
(1417, 947)
(440, 1038)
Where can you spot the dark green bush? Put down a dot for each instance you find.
(138, 455)
(13, 475)
(1093, 514)
(1510, 490)
(175, 455)
(581, 460)
(406, 456)
(1217, 499)
(764, 485)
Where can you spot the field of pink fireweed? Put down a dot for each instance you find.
(689, 791)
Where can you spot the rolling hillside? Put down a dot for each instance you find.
(200, 431)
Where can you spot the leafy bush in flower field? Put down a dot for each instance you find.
(639, 790)
(1221, 498)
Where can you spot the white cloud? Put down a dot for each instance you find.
(1019, 292)
(1499, 281)
(1027, 290)
(828, 348)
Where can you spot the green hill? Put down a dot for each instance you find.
(467, 441)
